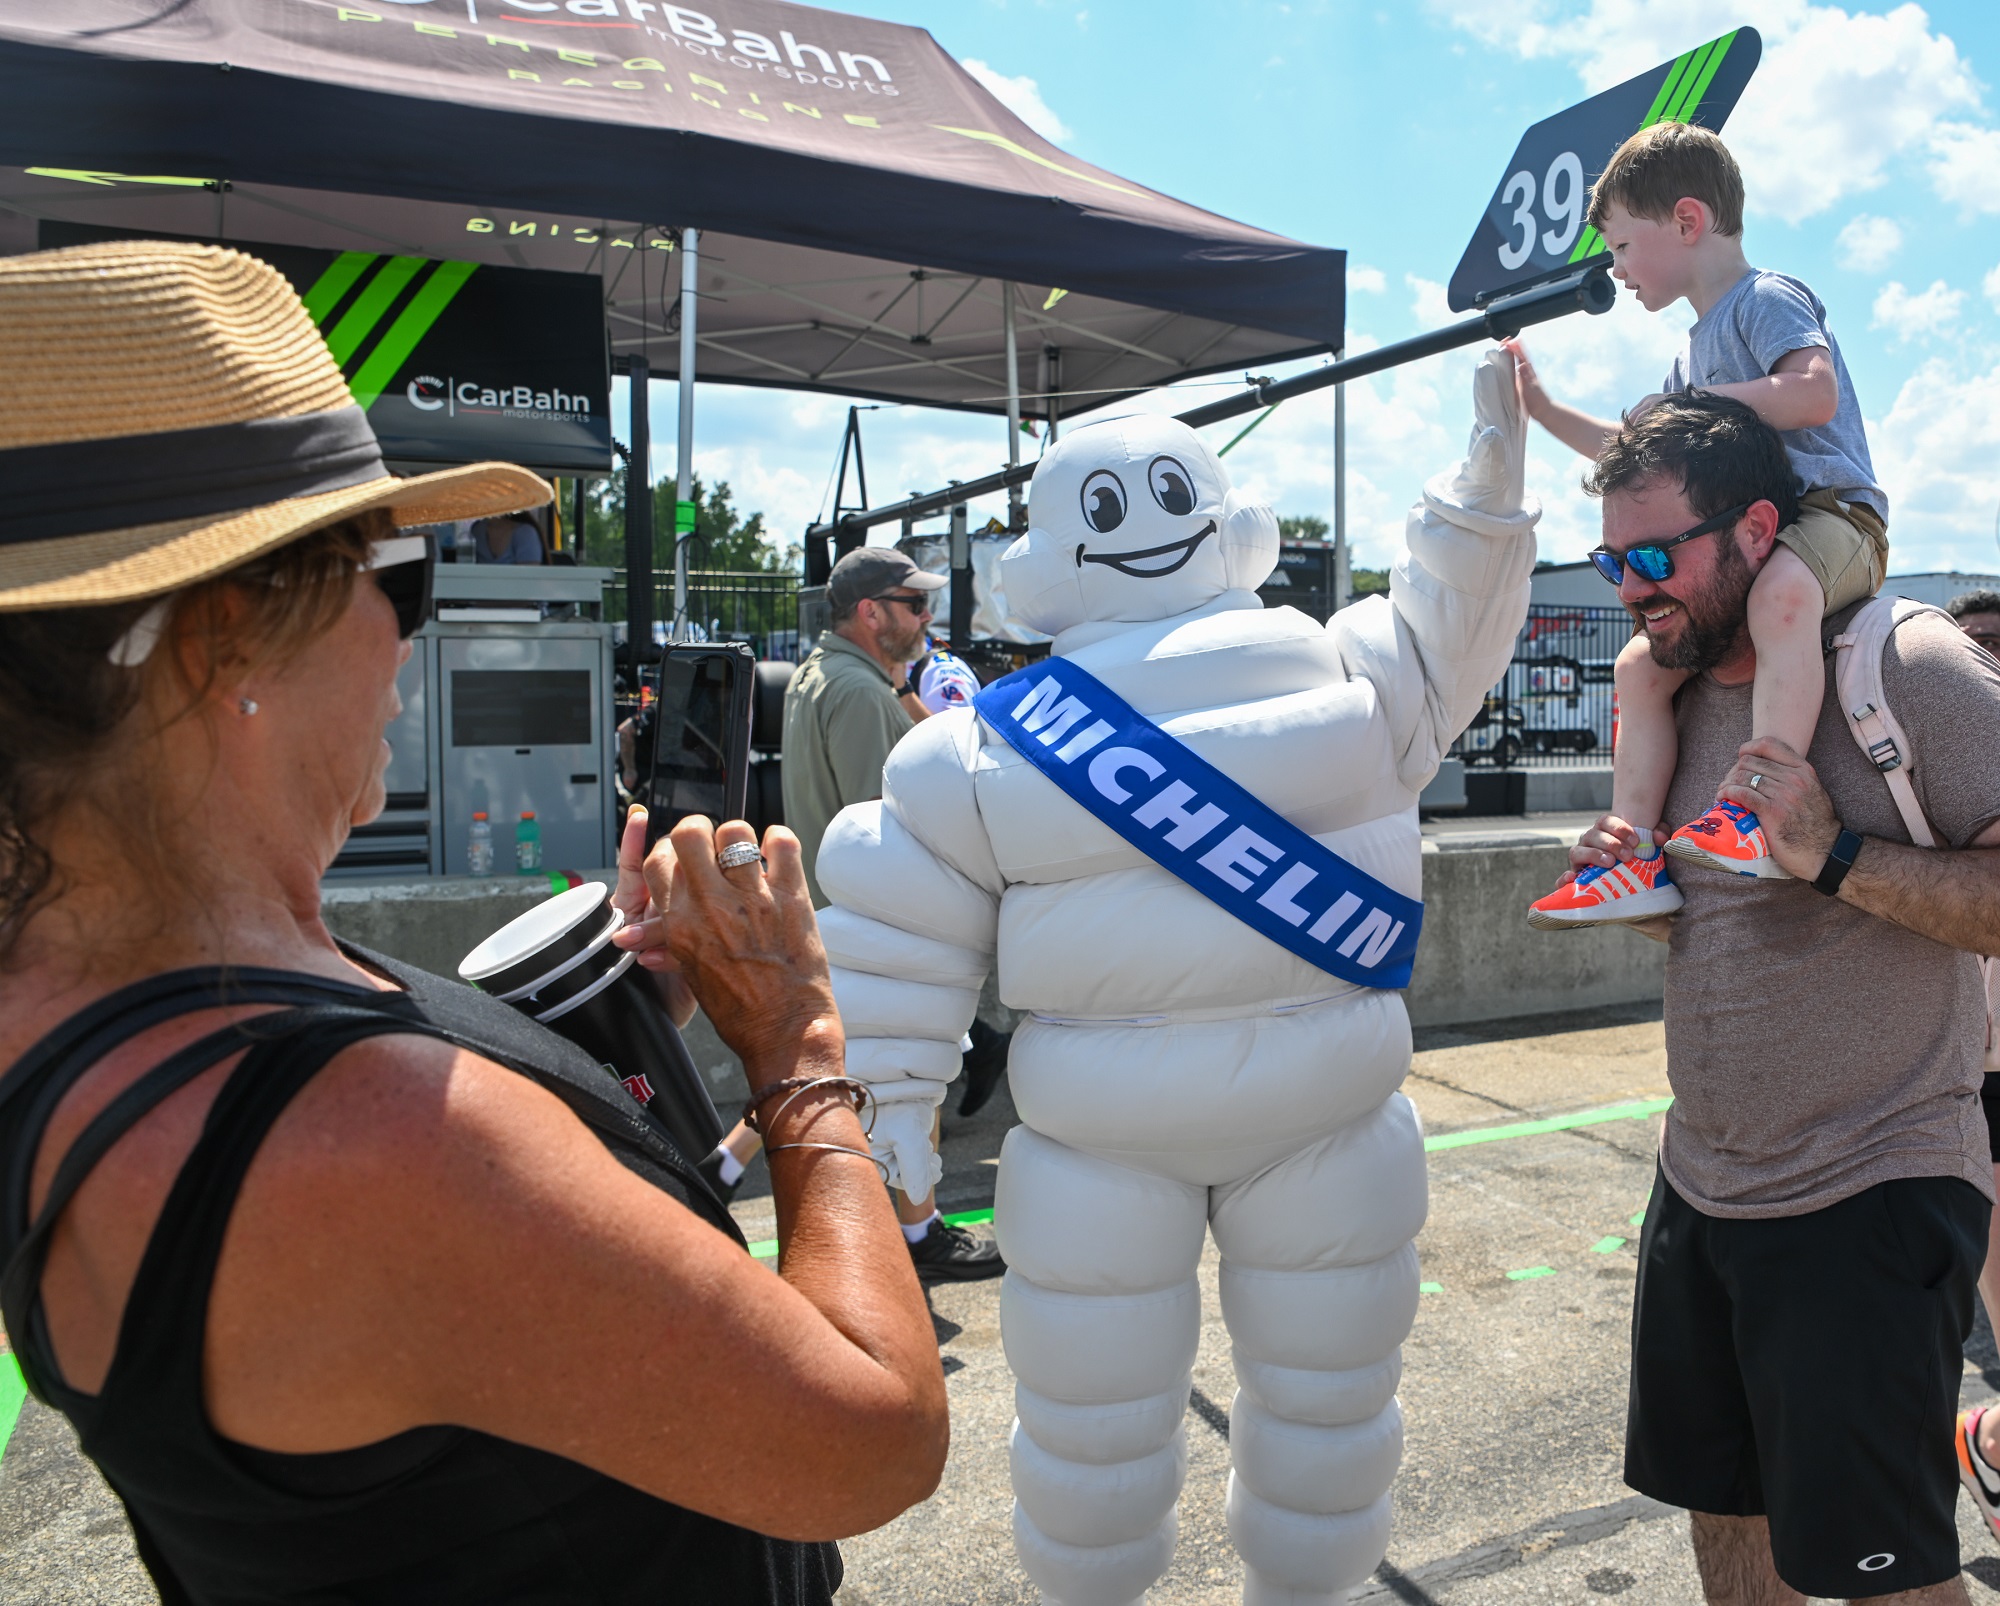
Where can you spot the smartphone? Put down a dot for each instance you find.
(700, 730)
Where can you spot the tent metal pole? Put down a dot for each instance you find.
(639, 518)
(684, 466)
(1342, 564)
(1013, 405)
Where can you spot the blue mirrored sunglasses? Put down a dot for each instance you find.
(1652, 561)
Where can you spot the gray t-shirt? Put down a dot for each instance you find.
(1815, 1050)
(1760, 318)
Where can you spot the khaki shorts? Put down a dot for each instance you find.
(1845, 544)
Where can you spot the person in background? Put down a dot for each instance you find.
(848, 705)
(1978, 615)
(511, 538)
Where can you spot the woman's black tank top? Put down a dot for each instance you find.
(434, 1516)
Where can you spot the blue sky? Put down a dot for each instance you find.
(1869, 139)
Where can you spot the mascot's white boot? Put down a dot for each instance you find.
(1181, 1072)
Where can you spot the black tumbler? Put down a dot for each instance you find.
(556, 965)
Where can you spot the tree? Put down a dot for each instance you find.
(741, 585)
(725, 540)
(1302, 527)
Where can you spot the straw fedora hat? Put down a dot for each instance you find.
(168, 412)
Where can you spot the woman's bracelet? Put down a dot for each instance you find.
(794, 1088)
(833, 1148)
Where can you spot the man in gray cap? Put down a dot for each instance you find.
(848, 705)
(852, 699)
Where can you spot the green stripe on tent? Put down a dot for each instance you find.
(1691, 101)
(361, 318)
(394, 348)
(338, 279)
(13, 1393)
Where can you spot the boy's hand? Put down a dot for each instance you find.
(1534, 399)
(1644, 405)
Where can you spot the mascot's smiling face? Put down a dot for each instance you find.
(1133, 520)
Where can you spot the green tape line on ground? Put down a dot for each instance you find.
(1607, 1246)
(1430, 1288)
(1530, 1273)
(12, 1393)
(767, 1248)
(1636, 1110)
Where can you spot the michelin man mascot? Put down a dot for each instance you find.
(1189, 840)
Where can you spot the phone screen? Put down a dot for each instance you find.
(700, 729)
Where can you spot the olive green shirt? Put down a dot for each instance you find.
(841, 719)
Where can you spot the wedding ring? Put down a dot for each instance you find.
(1753, 782)
(738, 854)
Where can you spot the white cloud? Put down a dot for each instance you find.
(1937, 455)
(1965, 166)
(1991, 285)
(1868, 243)
(1367, 279)
(1023, 97)
(1836, 98)
(1917, 317)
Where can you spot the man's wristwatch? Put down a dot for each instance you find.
(1839, 860)
(904, 690)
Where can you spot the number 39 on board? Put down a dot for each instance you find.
(1562, 204)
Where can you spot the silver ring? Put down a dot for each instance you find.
(738, 854)
(1753, 782)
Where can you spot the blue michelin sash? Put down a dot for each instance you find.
(1187, 816)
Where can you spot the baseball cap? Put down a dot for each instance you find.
(871, 570)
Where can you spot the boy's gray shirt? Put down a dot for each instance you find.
(1759, 319)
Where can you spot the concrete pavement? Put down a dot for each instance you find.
(1513, 1385)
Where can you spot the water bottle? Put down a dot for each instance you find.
(479, 851)
(528, 844)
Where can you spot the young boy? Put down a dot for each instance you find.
(1670, 208)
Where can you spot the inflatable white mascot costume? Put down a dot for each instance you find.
(1179, 1070)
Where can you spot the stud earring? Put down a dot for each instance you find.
(245, 705)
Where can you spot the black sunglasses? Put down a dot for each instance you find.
(1651, 560)
(918, 605)
(403, 567)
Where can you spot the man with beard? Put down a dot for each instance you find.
(1819, 1215)
(848, 705)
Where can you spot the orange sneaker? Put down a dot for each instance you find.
(1981, 1481)
(1727, 838)
(1635, 889)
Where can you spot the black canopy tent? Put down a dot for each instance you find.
(871, 221)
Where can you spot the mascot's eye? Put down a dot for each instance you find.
(1173, 486)
(1104, 501)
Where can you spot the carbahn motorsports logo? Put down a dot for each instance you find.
(429, 394)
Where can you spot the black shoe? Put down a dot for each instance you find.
(983, 1065)
(953, 1255)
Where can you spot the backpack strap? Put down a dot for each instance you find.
(1857, 680)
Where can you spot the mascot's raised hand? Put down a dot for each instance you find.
(1186, 1065)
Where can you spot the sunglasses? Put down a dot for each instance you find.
(917, 605)
(1651, 561)
(403, 567)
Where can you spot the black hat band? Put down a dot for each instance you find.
(84, 487)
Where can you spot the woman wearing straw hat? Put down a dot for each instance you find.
(357, 1286)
